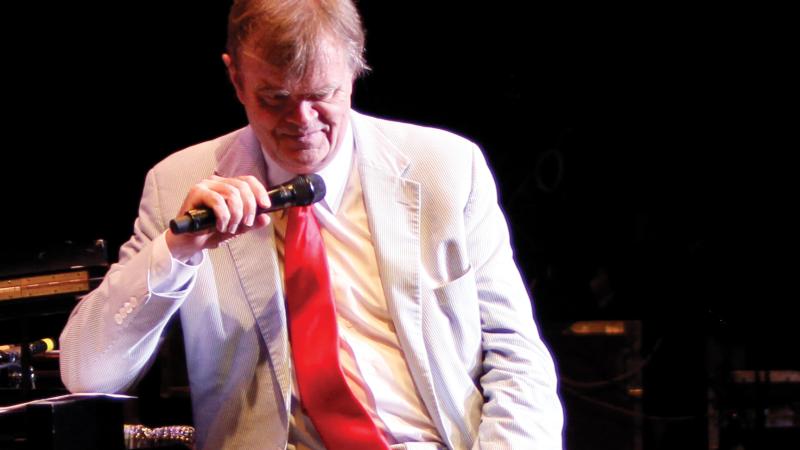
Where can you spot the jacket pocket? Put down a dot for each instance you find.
(458, 301)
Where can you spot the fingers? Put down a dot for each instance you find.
(235, 202)
(258, 189)
(239, 199)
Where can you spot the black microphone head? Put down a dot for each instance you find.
(308, 189)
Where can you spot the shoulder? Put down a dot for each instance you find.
(171, 178)
(199, 157)
(428, 149)
(411, 136)
(446, 166)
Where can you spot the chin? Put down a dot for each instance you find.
(304, 166)
(307, 156)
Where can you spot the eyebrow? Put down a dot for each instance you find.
(277, 90)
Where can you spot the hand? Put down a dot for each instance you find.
(234, 201)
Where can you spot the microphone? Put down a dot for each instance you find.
(42, 345)
(12, 353)
(302, 190)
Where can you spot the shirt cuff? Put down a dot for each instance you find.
(168, 276)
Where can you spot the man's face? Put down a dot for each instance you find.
(300, 123)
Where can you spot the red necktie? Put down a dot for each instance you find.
(338, 416)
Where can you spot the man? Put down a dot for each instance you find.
(436, 337)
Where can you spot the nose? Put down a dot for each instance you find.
(302, 113)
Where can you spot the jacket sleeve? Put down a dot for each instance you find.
(521, 405)
(113, 333)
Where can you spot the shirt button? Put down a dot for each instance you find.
(118, 319)
(127, 307)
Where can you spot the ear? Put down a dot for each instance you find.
(234, 76)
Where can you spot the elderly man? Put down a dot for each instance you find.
(389, 315)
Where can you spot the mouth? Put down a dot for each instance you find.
(300, 132)
(302, 137)
(302, 140)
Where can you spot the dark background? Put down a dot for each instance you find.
(639, 151)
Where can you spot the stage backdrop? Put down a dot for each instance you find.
(629, 144)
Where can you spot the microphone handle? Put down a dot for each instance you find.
(203, 218)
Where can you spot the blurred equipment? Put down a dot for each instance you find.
(69, 422)
(600, 368)
(755, 409)
(139, 436)
(13, 373)
(37, 293)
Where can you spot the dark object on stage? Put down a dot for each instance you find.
(70, 422)
(600, 368)
(755, 409)
(84, 422)
(38, 290)
(48, 281)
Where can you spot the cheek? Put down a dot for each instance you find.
(334, 115)
(261, 119)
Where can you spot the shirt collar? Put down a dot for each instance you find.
(335, 174)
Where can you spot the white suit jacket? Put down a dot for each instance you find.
(461, 312)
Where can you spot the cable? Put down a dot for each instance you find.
(618, 378)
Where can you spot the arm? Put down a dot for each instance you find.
(522, 408)
(113, 332)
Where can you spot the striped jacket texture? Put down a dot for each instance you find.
(459, 306)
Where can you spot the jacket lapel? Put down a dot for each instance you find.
(393, 207)
(256, 262)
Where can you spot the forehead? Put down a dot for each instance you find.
(328, 66)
